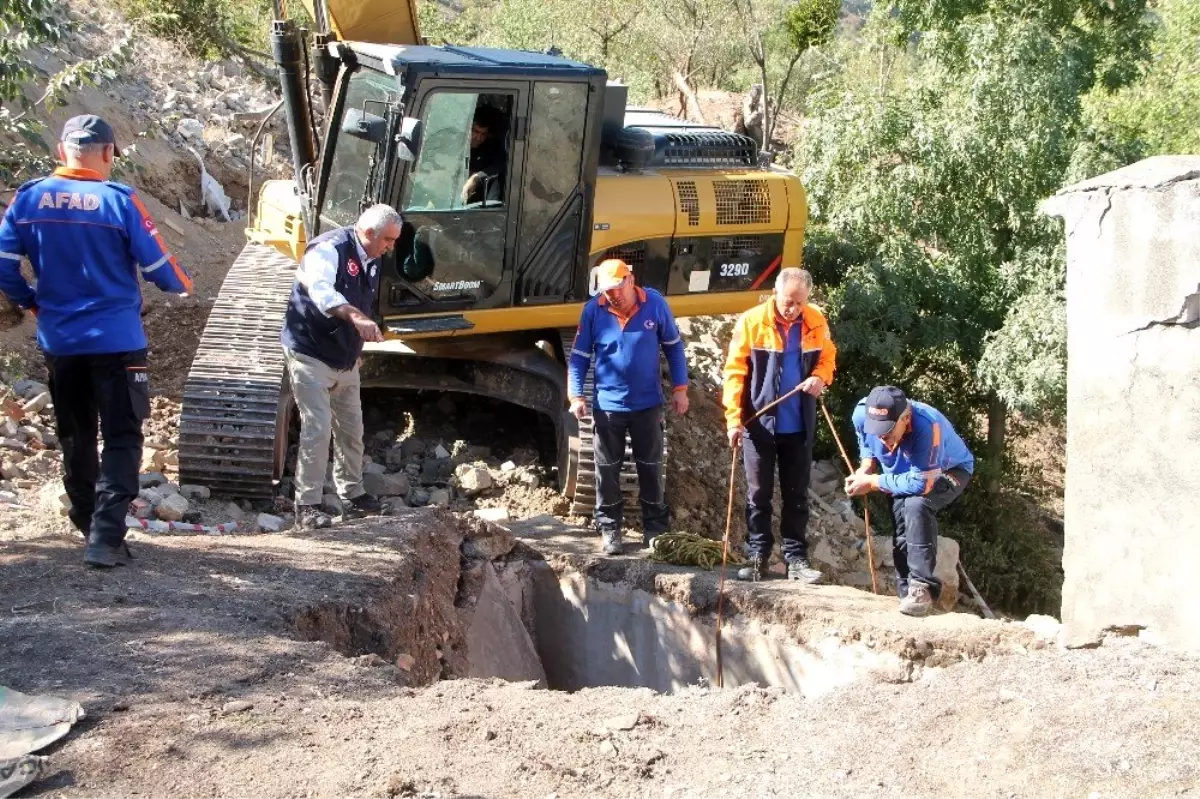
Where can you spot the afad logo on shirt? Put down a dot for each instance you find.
(352, 267)
(649, 324)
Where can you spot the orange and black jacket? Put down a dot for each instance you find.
(755, 361)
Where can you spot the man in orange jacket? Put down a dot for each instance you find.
(777, 346)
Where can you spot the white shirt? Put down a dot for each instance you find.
(318, 273)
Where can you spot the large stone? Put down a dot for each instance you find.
(172, 508)
(374, 468)
(151, 479)
(191, 129)
(412, 447)
(28, 389)
(498, 645)
(491, 514)
(436, 470)
(234, 512)
(8, 428)
(38, 403)
(153, 460)
(269, 524)
(439, 497)
(194, 492)
(488, 541)
(386, 485)
(946, 569)
(472, 479)
(53, 498)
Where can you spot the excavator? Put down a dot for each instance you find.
(516, 173)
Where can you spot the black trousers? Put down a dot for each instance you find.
(107, 394)
(762, 451)
(914, 537)
(645, 429)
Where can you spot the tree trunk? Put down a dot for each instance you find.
(690, 105)
(997, 426)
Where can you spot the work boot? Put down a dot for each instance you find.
(81, 523)
(612, 542)
(106, 556)
(310, 517)
(363, 505)
(755, 571)
(918, 602)
(803, 571)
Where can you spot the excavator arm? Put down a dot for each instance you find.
(376, 21)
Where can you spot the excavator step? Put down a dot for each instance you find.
(582, 458)
(232, 428)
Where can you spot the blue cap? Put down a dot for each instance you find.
(884, 406)
(89, 129)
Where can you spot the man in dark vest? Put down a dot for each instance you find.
(328, 319)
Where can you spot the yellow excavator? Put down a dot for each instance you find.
(516, 173)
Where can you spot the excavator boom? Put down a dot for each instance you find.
(375, 21)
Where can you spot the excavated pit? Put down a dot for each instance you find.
(535, 601)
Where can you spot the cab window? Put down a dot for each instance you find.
(463, 159)
(354, 162)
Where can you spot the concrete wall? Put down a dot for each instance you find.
(1133, 383)
(592, 634)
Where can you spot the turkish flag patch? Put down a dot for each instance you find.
(352, 267)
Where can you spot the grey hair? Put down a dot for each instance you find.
(77, 150)
(793, 274)
(378, 217)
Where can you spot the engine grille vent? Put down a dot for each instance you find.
(742, 202)
(689, 201)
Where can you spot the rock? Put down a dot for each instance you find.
(374, 468)
(490, 514)
(607, 749)
(194, 492)
(436, 470)
(151, 479)
(152, 496)
(412, 447)
(531, 480)
(418, 498)
(405, 661)
(10, 470)
(142, 509)
(171, 508)
(440, 452)
(825, 489)
(946, 570)
(625, 721)
(439, 497)
(153, 460)
(1046, 628)
(269, 524)
(171, 459)
(472, 479)
(8, 428)
(192, 517)
(9, 498)
(386, 485)
(237, 706)
(826, 471)
(191, 129)
(488, 541)
(28, 389)
(370, 661)
(53, 498)
(234, 512)
(50, 439)
(168, 489)
(824, 556)
(14, 444)
(508, 466)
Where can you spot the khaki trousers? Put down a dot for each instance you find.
(329, 405)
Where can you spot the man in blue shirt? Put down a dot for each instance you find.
(620, 334)
(910, 451)
(87, 240)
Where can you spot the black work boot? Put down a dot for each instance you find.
(81, 522)
(106, 556)
(755, 571)
(310, 517)
(612, 542)
(363, 505)
(803, 571)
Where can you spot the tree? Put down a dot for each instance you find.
(788, 30)
(25, 24)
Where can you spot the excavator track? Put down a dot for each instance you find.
(233, 426)
(579, 465)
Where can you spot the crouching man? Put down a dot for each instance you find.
(328, 319)
(910, 451)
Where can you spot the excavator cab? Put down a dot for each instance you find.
(491, 158)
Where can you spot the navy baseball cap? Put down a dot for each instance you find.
(89, 129)
(884, 406)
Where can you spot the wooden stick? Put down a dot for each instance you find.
(866, 501)
(987, 612)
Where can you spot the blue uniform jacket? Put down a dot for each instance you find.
(624, 353)
(87, 240)
(929, 449)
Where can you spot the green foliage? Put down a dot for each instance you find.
(1160, 113)
(205, 28)
(25, 24)
(811, 23)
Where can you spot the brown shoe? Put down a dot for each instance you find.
(918, 602)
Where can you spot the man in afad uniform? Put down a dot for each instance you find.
(87, 239)
(328, 319)
(910, 452)
(778, 346)
(621, 330)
